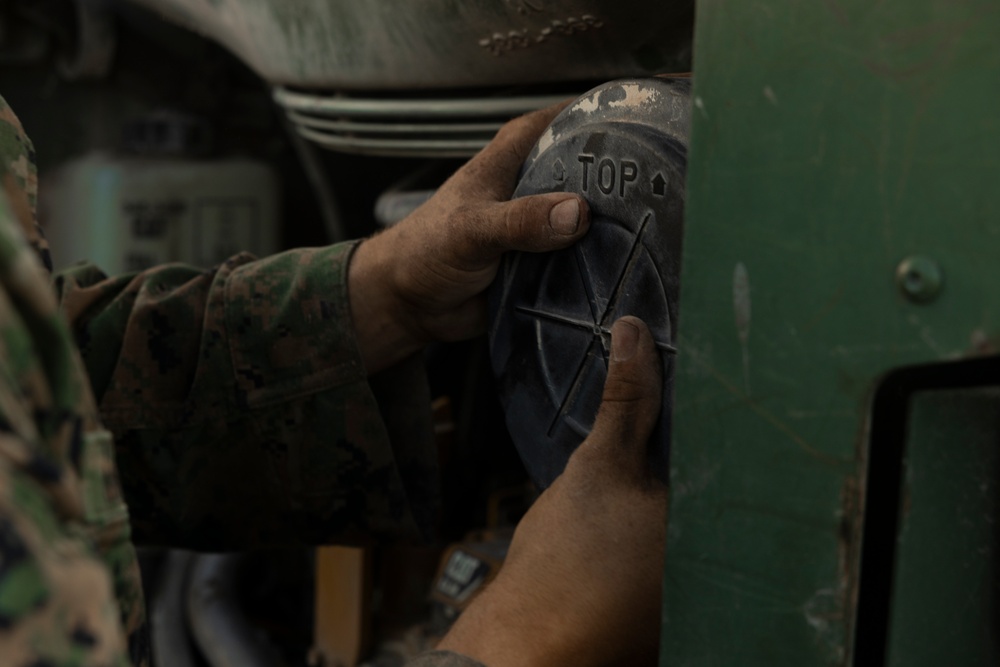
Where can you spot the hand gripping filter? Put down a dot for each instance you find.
(623, 147)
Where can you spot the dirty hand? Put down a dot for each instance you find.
(581, 583)
(423, 279)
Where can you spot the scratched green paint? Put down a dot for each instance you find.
(830, 141)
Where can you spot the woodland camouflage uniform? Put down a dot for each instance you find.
(237, 410)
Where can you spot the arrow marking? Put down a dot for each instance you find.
(659, 185)
(558, 171)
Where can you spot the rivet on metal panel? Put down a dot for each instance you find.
(919, 278)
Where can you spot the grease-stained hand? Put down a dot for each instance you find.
(424, 279)
(581, 583)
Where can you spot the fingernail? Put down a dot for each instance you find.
(624, 340)
(564, 218)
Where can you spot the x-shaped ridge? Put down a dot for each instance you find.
(600, 327)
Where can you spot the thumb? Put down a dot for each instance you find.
(538, 223)
(632, 398)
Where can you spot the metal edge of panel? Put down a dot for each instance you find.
(396, 147)
(352, 127)
(335, 105)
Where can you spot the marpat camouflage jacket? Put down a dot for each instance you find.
(207, 409)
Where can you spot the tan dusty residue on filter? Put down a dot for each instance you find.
(636, 95)
(546, 141)
(588, 105)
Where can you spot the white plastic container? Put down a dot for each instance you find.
(127, 214)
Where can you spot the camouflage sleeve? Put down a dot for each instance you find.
(57, 603)
(241, 409)
(20, 180)
(70, 591)
(443, 659)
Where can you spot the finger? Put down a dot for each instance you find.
(539, 223)
(496, 167)
(632, 399)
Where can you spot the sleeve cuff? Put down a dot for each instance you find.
(289, 325)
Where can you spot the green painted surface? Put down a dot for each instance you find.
(946, 599)
(831, 141)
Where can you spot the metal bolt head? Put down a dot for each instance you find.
(919, 278)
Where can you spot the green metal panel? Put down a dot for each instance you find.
(831, 141)
(947, 581)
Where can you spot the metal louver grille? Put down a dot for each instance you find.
(404, 127)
